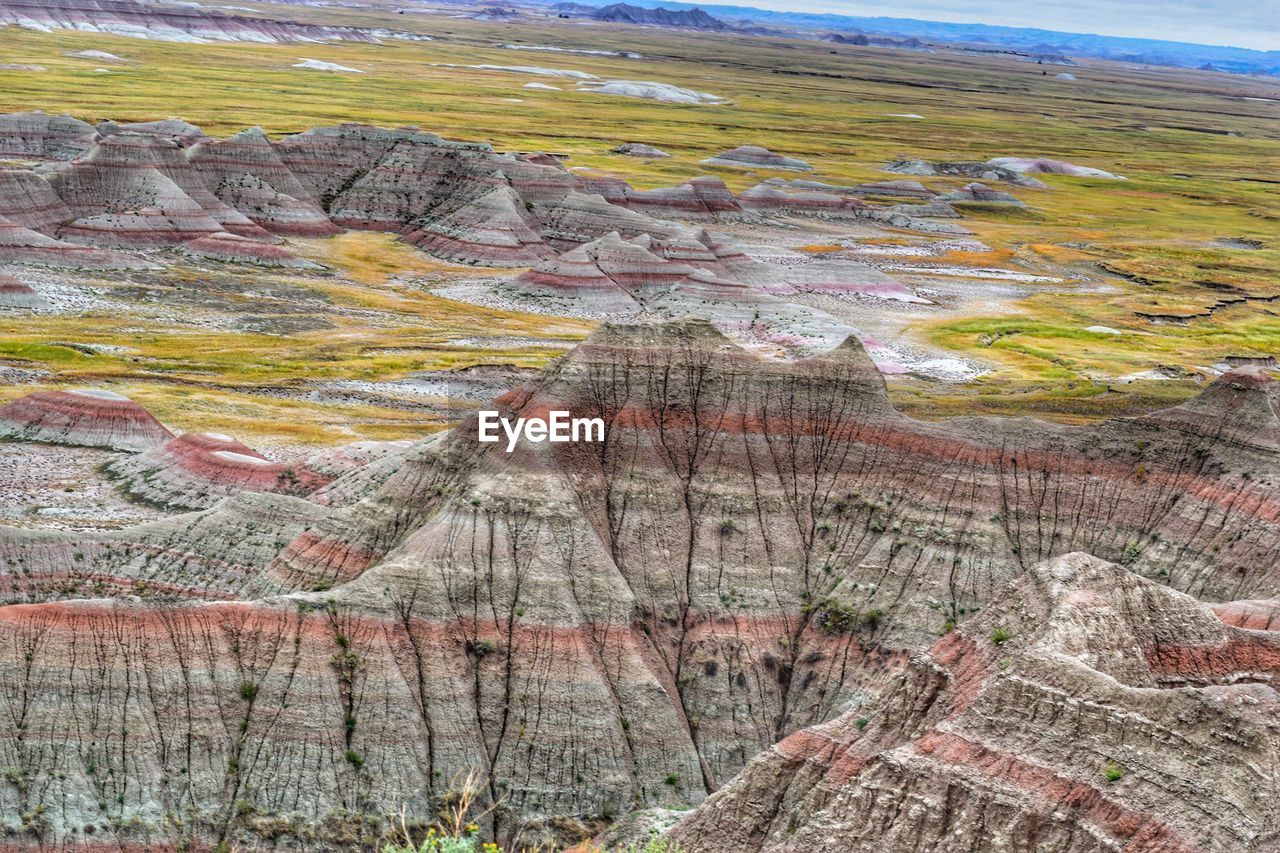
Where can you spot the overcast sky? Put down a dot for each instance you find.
(1241, 23)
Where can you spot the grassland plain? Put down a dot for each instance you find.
(1201, 152)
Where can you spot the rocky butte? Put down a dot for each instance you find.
(764, 591)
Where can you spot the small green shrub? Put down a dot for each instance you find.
(1000, 636)
(1113, 772)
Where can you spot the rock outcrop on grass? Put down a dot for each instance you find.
(757, 157)
(221, 246)
(976, 193)
(196, 470)
(84, 417)
(989, 171)
(639, 149)
(1044, 166)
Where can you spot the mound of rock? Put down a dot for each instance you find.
(976, 193)
(196, 470)
(246, 173)
(87, 418)
(119, 196)
(221, 246)
(600, 276)
(177, 22)
(497, 13)
(963, 169)
(321, 65)
(97, 54)
(651, 91)
(494, 229)
(705, 196)
(1088, 708)
(893, 190)
(21, 245)
(1042, 166)
(37, 136)
(849, 278)
(684, 276)
(178, 130)
(776, 197)
(756, 157)
(639, 149)
(16, 294)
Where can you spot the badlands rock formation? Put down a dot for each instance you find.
(650, 90)
(37, 136)
(756, 157)
(757, 547)
(703, 278)
(196, 470)
(1087, 709)
(976, 193)
(103, 197)
(639, 149)
(979, 171)
(181, 22)
(16, 294)
(89, 418)
(1042, 166)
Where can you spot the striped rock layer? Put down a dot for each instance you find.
(89, 418)
(17, 294)
(196, 470)
(1087, 709)
(756, 547)
(167, 22)
(159, 184)
(696, 275)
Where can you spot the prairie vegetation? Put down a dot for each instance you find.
(1180, 259)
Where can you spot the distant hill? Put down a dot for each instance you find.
(625, 13)
(1037, 42)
